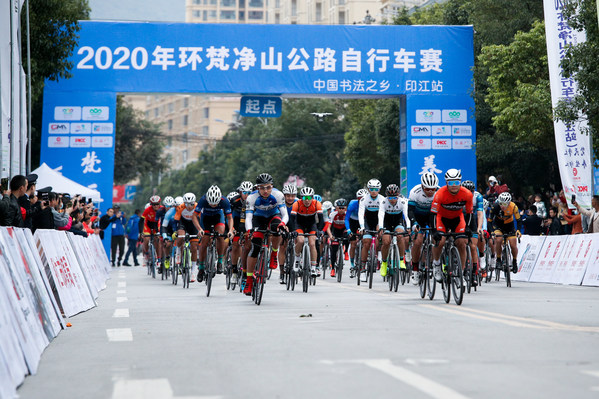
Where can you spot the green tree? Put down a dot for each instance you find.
(54, 31)
(580, 63)
(138, 146)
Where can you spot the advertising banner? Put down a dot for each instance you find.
(591, 276)
(528, 252)
(548, 259)
(573, 147)
(573, 263)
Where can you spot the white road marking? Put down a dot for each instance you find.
(122, 276)
(594, 373)
(122, 284)
(408, 377)
(120, 299)
(119, 334)
(418, 362)
(121, 313)
(121, 291)
(149, 389)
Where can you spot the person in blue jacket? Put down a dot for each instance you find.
(132, 237)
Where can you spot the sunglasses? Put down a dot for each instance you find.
(454, 183)
(392, 198)
(245, 192)
(265, 188)
(307, 197)
(341, 207)
(374, 189)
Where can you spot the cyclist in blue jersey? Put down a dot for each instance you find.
(352, 224)
(265, 210)
(419, 212)
(238, 207)
(290, 193)
(166, 228)
(212, 209)
(476, 226)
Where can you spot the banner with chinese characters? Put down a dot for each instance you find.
(573, 148)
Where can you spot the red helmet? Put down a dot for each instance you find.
(154, 200)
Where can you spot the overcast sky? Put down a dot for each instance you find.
(138, 10)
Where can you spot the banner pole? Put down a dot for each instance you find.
(28, 90)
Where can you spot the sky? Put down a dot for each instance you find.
(138, 10)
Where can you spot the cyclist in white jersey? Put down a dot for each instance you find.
(396, 219)
(371, 215)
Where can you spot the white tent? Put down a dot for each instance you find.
(46, 176)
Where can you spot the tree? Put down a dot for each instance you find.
(580, 63)
(53, 29)
(138, 144)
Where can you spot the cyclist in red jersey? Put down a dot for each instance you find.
(448, 205)
(151, 217)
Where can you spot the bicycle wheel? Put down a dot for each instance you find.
(210, 268)
(390, 270)
(422, 270)
(431, 283)
(357, 257)
(305, 268)
(371, 263)
(468, 270)
(186, 267)
(457, 280)
(339, 264)
(507, 255)
(326, 260)
(261, 278)
(153, 261)
(446, 283)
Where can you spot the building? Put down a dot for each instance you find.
(390, 8)
(321, 12)
(226, 11)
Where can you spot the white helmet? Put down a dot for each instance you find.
(306, 191)
(485, 203)
(327, 205)
(361, 193)
(453, 174)
(231, 195)
(504, 198)
(213, 195)
(168, 201)
(289, 189)
(246, 186)
(429, 180)
(189, 198)
(178, 200)
(374, 183)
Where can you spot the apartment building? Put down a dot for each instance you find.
(226, 11)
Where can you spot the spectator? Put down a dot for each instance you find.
(532, 223)
(495, 187)
(44, 219)
(132, 237)
(28, 200)
(62, 221)
(86, 222)
(118, 222)
(593, 214)
(18, 186)
(77, 224)
(562, 210)
(105, 221)
(541, 211)
(575, 222)
(552, 223)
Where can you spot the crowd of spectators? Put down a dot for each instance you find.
(548, 212)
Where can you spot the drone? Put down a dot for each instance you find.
(321, 115)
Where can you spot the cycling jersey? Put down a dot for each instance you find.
(351, 213)
(307, 218)
(289, 208)
(396, 215)
(168, 222)
(238, 210)
(448, 208)
(224, 206)
(183, 213)
(419, 206)
(337, 221)
(477, 204)
(151, 218)
(508, 219)
(371, 212)
(273, 205)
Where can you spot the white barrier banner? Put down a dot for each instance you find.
(548, 259)
(68, 278)
(575, 257)
(591, 276)
(99, 253)
(528, 252)
(95, 276)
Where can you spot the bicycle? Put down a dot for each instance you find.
(211, 260)
(427, 278)
(341, 242)
(488, 257)
(469, 272)
(290, 274)
(506, 259)
(393, 260)
(357, 269)
(175, 255)
(305, 269)
(452, 273)
(152, 259)
(262, 267)
(165, 266)
(371, 259)
(325, 260)
(186, 260)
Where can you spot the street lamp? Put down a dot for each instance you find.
(368, 20)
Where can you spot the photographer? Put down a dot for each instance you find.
(44, 219)
(62, 221)
(13, 216)
(28, 201)
(495, 187)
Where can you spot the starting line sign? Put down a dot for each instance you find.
(256, 106)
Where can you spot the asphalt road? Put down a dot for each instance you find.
(149, 339)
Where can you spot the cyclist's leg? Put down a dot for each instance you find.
(313, 253)
(385, 252)
(514, 247)
(220, 246)
(498, 245)
(299, 244)
(273, 225)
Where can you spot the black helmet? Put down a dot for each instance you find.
(468, 184)
(341, 202)
(264, 178)
(392, 190)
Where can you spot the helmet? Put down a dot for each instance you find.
(453, 174)
(317, 197)
(485, 203)
(154, 200)
(392, 190)
(341, 202)
(327, 205)
(264, 178)
(429, 180)
(504, 198)
(168, 201)
(289, 189)
(468, 184)
(213, 195)
(245, 186)
(361, 193)
(231, 195)
(373, 183)
(178, 200)
(189, 198)
(307, 191)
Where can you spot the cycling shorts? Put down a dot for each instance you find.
(210, 222)
(150, 227)
(266, 223)
(506, 230)
(306, 228)
(354, 225)
(188, 227)
(455, 225)
(399, 227)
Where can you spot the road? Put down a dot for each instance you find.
(148, 339)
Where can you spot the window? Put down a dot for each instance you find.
(241, 3)
(185, 102)
(212, 14)
(148, 114)
(206, 113)
(318, 12)
(341, 17)
(169, 141)
(255, 14)
(170, 124)
(294, 8)
(341, 2)
(213, 2)
(197, 2)
(205, 131)
(171, 107)
(227, 3)
(205, 17)
(156, 112)
(277, 3)
(277, 18)
(241, 15)
(185, 155)
(227, 15)
(185, 120)
(256, 3)
(196, 13)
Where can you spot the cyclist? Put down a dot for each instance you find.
(166, 228)
(238, 209)
(290, 193)
(184, 219)
(419, 212)
(507, 222)
(209, 215)
(336, 230)
(448, 205)
(371, 215)
(396, 219)
(476, 226)
(151, 217)
(352, 224)
(306, 217)
(265, 209)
